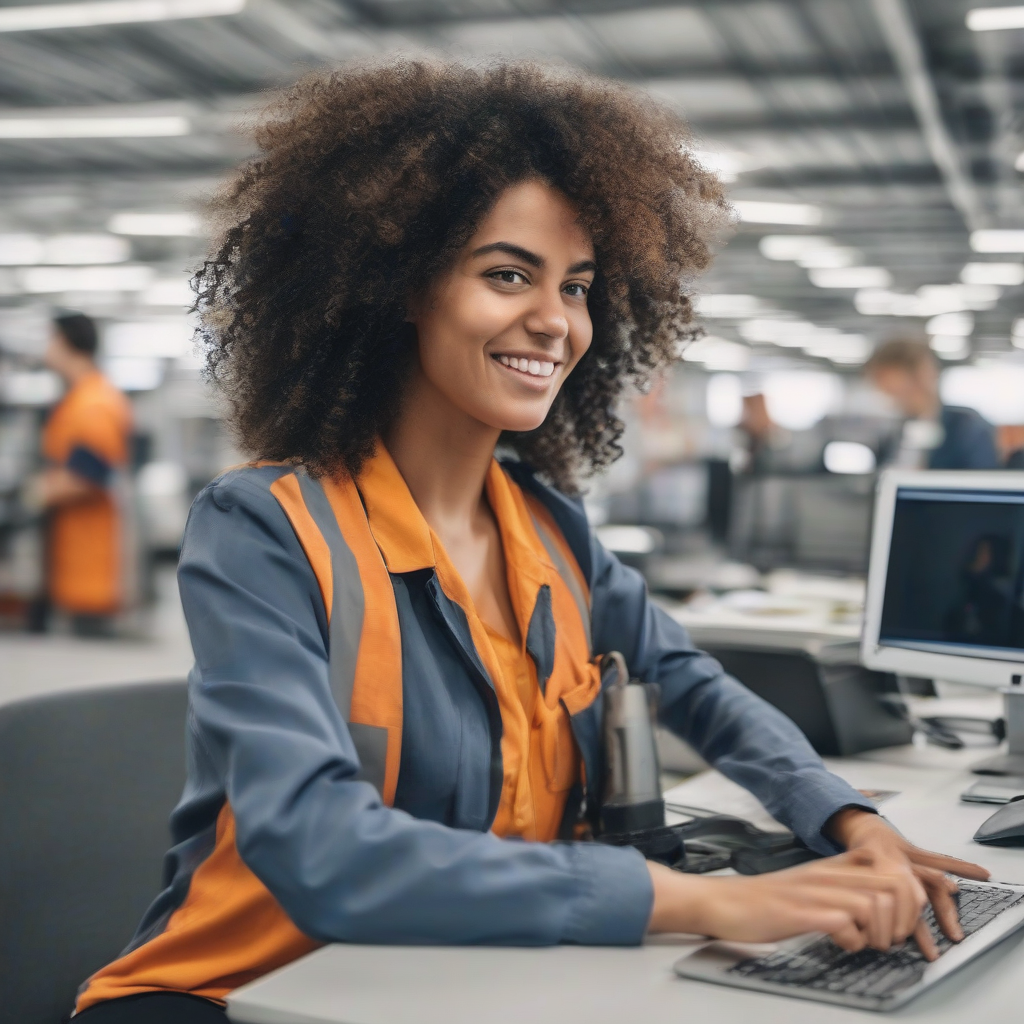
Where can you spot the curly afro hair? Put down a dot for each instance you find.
(371, 178)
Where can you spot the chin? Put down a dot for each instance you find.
(519, 422)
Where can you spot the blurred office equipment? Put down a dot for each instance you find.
(816, 522)
(820, 684)
(89, 780)
(945, 595)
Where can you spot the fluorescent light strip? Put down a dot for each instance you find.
(990, 19)
(997, 241)
(166, 224)
(110, 12)
(757, 212)
(92, 127)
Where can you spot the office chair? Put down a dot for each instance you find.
(87, 781)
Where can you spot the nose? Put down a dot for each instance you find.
(546, 320)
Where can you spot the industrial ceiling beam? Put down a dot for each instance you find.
(908, 55)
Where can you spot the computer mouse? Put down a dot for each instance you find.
(1005, 827)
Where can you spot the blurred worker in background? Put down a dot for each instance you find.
(85, 442)
(935, 436)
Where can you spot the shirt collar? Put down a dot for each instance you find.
(407, 542)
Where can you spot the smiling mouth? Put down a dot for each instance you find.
(539, 368)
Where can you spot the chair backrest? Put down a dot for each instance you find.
(87, 781)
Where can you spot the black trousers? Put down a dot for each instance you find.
(154, 1008)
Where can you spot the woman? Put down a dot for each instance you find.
(395, 635)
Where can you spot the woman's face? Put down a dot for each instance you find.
(500, 332)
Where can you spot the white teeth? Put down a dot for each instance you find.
(534, 367)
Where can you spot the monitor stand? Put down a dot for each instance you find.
(1012, 762)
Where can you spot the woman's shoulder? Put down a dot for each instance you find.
(238, 503)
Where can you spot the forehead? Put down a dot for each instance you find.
(537, 217)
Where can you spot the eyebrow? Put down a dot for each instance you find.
(530, 257)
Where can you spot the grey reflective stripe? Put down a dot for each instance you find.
(346, 625)
(568, 576)
(345, 631)
(371, 743)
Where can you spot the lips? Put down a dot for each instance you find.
(531, 367)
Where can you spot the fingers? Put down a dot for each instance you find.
(951, 865)
(940, 891)
(925, 942)
(905, 892)
(871, 913)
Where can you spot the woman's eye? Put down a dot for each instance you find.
(577, 290)
(508, 277)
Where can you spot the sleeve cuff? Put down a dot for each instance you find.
(615, 896)
(814, 800)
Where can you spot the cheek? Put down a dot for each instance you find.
(581, 334)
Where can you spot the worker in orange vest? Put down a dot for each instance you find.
(85, 442)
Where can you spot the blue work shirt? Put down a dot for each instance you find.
(265, 734)
(969, 441)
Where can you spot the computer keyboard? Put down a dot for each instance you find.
(823, 966)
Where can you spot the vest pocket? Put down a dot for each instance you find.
(558, 744)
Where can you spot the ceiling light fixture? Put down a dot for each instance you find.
(1006, 274)
(850, 277)
(110, 12)
(723, 304)
(165, 224)
(93, 127)
(757, 212)
(792, 247)
(829, 258)
(728, 166)
(997, 241)
(786, 333)
(991, 19)
(957, 325)
(848, 349)
(949, 346)
(125, 278)
(168, 291)
(78, 249)
(17, 250)
(717, 354)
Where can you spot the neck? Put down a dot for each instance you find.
(444, 455)
(76, 368)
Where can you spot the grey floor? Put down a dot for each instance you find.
(159, 649)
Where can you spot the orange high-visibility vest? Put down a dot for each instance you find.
(229, 929)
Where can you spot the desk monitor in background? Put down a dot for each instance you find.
(817, 522)
(945, 596)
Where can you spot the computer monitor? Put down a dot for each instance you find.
(945, 594)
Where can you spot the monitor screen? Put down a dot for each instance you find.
(955, 580)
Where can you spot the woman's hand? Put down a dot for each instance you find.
(919, 872)
(852, 897)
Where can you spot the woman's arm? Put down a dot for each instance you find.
(743, 736)
(344, 866)
(757, 746)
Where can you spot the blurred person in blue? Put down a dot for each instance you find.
(85, 443)
(935, 436)
(394, 730)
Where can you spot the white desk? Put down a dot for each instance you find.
(569, 984)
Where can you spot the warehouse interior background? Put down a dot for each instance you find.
(873, 151)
